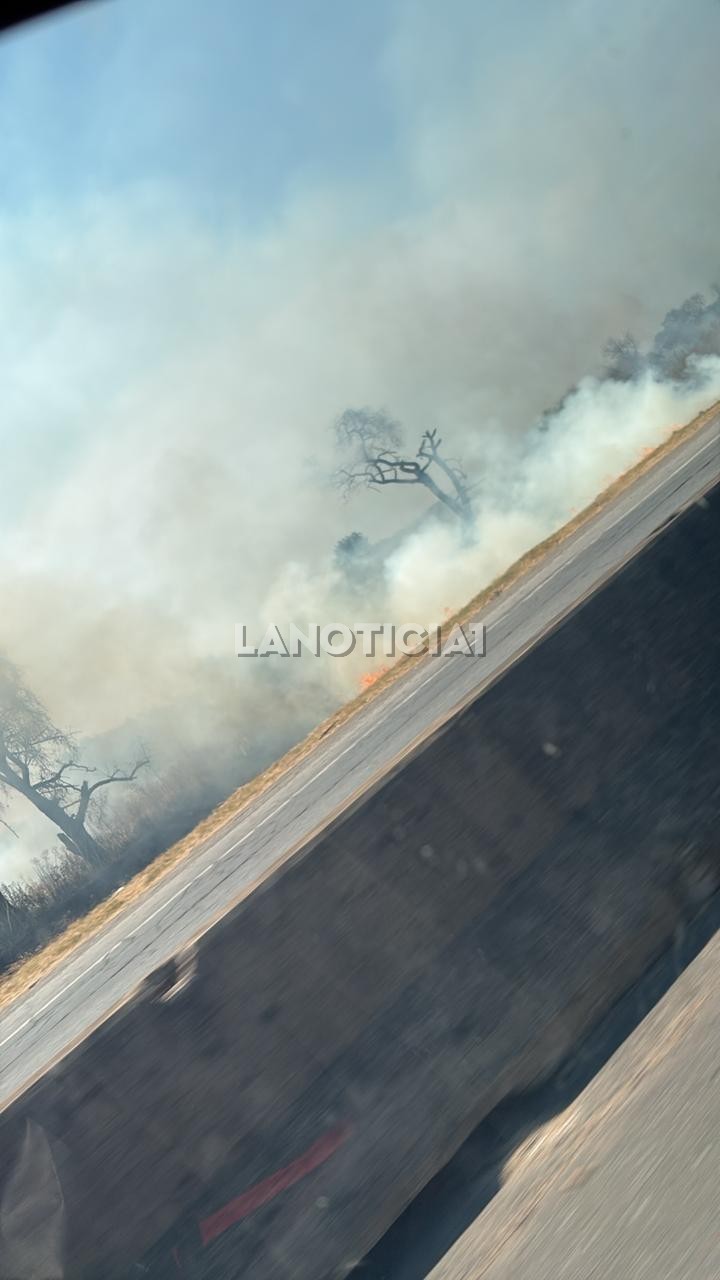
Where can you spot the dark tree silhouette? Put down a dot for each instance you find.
(362, 569)
(352, 547)
(40, 762)
(623, 358)
(372, 442)
(692, 329)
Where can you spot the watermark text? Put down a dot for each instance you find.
(371, 639)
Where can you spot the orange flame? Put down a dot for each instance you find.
(369, 677)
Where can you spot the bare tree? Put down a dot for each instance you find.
(373, 442)
(692, 329)
(623, 359)
(361, 567)
(40, 762)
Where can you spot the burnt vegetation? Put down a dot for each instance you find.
(687, 333)
(40, 762)
(150, 805)
(99, 842)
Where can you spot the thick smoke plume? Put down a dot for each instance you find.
(170, 385)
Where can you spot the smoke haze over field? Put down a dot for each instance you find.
(215, 238)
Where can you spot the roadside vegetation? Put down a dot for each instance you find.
(102, 853)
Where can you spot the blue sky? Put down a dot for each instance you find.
(234, 103)
(145, 117)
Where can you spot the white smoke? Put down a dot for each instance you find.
(528, 488)
(169, 388)
(602, 429)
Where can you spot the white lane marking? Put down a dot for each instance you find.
(438, 670)
(299, 790)
(34, 1016)
(338, 756)
(526, 595)
(66, 987)
(163, 906)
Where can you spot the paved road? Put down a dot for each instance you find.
(626, 1182)
(43, 1023)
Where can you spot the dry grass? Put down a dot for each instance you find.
(29, 970)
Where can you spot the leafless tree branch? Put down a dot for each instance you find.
(373, 439)
(39, 761)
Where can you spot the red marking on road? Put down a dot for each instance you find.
(263, 1192)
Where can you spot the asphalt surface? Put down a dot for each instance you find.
(626, 1181)
(458, 1203)
(44, 1022)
